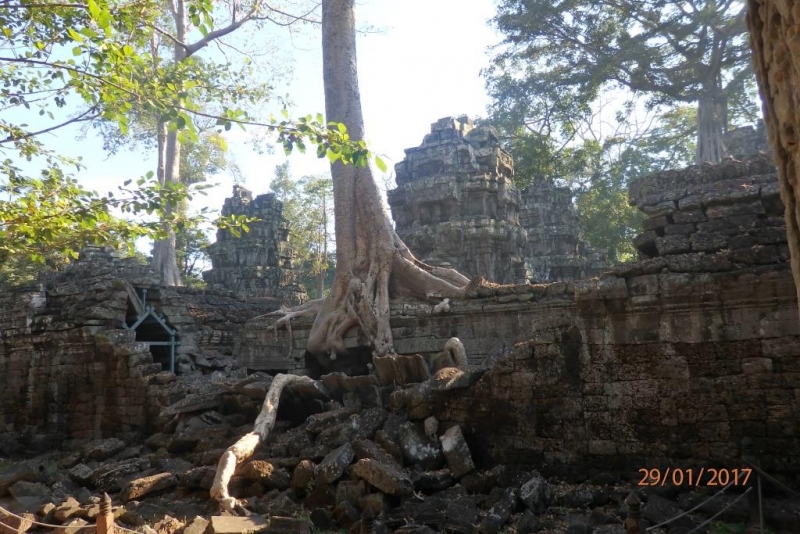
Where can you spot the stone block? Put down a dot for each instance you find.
(335, 462)
(652, 223)
(680, 229)
(104, 449)
(535, 493)
(500, 513)
(643, 285)
(17, 525)
(612, 288)
(140, 487)
(738, 208)
(673, 244)
(385, 477)
(602, 447)
(267, 473)
(689, 216)
(456, 452)
(418, 449)
(73, 526)
(81, 474)
(228, 524)
(756, 365)
(705, 242)
(663, 208)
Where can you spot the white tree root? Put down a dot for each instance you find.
(247, 444)
(456, 350)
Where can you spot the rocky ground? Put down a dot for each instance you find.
(345, 455)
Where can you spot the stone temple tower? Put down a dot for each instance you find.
(456, 203)
(259, 262)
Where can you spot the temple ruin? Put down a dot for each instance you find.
(686, 357)
(256, 263)
(456, 204)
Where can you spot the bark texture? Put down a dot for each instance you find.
(368, 251)
(711, 125)
(774, 28)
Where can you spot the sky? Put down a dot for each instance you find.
(420, 61)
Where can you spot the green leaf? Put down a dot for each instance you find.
(74, 35)
(380, 163)
(94, 9)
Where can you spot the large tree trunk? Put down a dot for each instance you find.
(368, 251)
(165, 258)
(774, 26)
(711, 126)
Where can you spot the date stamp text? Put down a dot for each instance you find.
(694, 477)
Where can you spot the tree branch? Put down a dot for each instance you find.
(67, 67)
(167, 35)
(33, 6)
(216, 34)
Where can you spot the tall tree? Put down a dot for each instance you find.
(318, 209)
(560, 55)
(371, 260)
(369, 254)
(774, 27)
(308, 207)
(213, 25)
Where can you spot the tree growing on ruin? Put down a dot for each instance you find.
(773, 34)
(372, 262)
(559, 56)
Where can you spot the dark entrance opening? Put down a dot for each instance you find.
(153, 329)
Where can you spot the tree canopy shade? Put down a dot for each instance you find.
(558, 56)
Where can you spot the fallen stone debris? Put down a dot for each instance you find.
(347, 455)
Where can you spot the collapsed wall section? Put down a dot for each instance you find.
(69, 367)
(73, 367)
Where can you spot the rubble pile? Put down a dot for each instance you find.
(346, 453)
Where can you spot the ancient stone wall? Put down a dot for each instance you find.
(258, 263)
(712, 215)
(456, 203)
(746, 141)
(555, 250)
(71, 367)
(667, 361)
